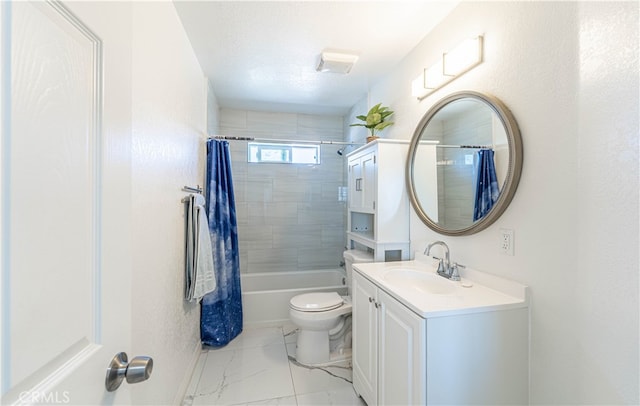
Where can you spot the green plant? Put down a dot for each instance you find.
(374, 120)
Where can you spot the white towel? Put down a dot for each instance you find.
(200, 276)
(190, 248)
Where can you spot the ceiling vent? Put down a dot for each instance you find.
(336, 62)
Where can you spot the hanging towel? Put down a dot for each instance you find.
(200, 274)
(190, 249)
(487, 190)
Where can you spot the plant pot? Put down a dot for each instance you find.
(372, 138)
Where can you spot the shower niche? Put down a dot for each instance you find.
(378, 208)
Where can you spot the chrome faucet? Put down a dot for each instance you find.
(445, 268)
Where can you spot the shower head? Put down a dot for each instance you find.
(344, 149)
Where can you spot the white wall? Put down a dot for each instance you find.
(569, 73)
(169, 98)
(213, 111)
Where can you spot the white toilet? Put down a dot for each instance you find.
(324, 320)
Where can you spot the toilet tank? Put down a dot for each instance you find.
(354, 257)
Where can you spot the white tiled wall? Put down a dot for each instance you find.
(289, 216)
(456, 200)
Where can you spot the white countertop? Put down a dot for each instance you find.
(476, 292)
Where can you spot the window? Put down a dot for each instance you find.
(284, 153)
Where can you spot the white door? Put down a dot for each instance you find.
(66, 258)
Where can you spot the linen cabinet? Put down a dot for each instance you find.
(378, 203)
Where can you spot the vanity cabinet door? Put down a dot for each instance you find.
(389, 351)
(365, 339)
(402, 354)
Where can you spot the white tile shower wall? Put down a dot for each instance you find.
(289, 216)
(454, 209)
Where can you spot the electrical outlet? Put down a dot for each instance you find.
(506, 241)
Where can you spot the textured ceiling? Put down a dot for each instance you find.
(263, 54)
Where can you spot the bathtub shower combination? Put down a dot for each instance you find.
(266, 295)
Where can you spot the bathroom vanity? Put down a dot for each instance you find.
(419, 338)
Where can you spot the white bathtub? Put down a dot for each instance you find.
(265, 296)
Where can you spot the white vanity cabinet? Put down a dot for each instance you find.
(389, 365)
(378, 207)
(364, 331)
(411, 347)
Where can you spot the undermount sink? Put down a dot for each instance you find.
(422, 281)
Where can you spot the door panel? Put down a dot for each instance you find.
(355, 192)
(53, 293)
(369, 181)
(365, 339)
(402, 362)
(53, 194)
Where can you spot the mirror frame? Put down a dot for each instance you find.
(514, 170)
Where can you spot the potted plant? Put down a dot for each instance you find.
(374, 120)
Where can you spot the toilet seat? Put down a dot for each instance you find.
(316, 302)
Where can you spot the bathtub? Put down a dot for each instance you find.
(265, 296)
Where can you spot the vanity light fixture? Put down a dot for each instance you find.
(336, 62)
(452, 65)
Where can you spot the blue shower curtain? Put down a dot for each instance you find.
(221, 316)
(487, 190)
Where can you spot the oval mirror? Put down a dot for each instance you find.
(464, 163)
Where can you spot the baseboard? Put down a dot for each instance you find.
(186, 380)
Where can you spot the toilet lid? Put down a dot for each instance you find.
(316, 302)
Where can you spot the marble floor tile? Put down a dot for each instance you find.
(243, 375)
(320, 379)
(286, 401)
(259, 368)
(345, 396)
(255, 337)
(195, 378)
(310, 379)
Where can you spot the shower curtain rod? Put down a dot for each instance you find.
(231, 138)
(466, 146)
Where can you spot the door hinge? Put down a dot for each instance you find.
(374, 159)
(374, 205)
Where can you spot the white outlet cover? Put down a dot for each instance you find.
(506, 241)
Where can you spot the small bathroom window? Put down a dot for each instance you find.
(283, 153)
